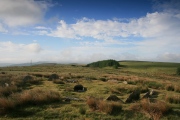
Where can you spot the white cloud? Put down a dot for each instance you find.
(21, 12)
(168, 57)
(152, 25)
(12, 52)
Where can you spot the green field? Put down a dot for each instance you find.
(42, 98)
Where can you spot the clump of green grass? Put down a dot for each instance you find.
(126, 89)
(154, 85)
(173, 98)
(82, 110)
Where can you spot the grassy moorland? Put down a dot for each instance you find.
(47, 92)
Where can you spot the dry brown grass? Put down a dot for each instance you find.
(38, 96)
(169, 87)
(29, 97)
(111, 108)
(177, 88)
(6, 91)
(93, 103)
(173, 98)
(154, 109)
(6, 105)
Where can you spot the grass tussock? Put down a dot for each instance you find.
(173, 98)
(29, 97)
(177, 88)
(6, 105)
(38, 96)
(154, 109)
(170, 87)
(6, 91)
(111, 108)
(93, 103)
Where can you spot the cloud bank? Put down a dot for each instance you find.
(15, 13)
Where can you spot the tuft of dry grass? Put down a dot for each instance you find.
(154, 109)
(38, 96)
(173, 98)
(6, 105)
(6, 91)
(93, 103)
(111, 108)
(169, 87)
(177, 88)
(29, 97)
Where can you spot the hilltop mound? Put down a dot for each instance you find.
(104, 63)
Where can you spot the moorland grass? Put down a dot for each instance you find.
(144, 76)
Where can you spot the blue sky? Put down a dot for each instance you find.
(83, 31)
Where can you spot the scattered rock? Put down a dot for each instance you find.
(135, 95)
(67, 100)
(6, 85)
(146, 95)
(79, 88)
(71, 81)
(125, 82)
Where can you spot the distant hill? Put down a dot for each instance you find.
(104, 63)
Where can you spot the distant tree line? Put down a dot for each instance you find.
(104, 63)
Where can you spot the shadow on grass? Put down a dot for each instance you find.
(173, 115)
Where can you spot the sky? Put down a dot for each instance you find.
(84, 31)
